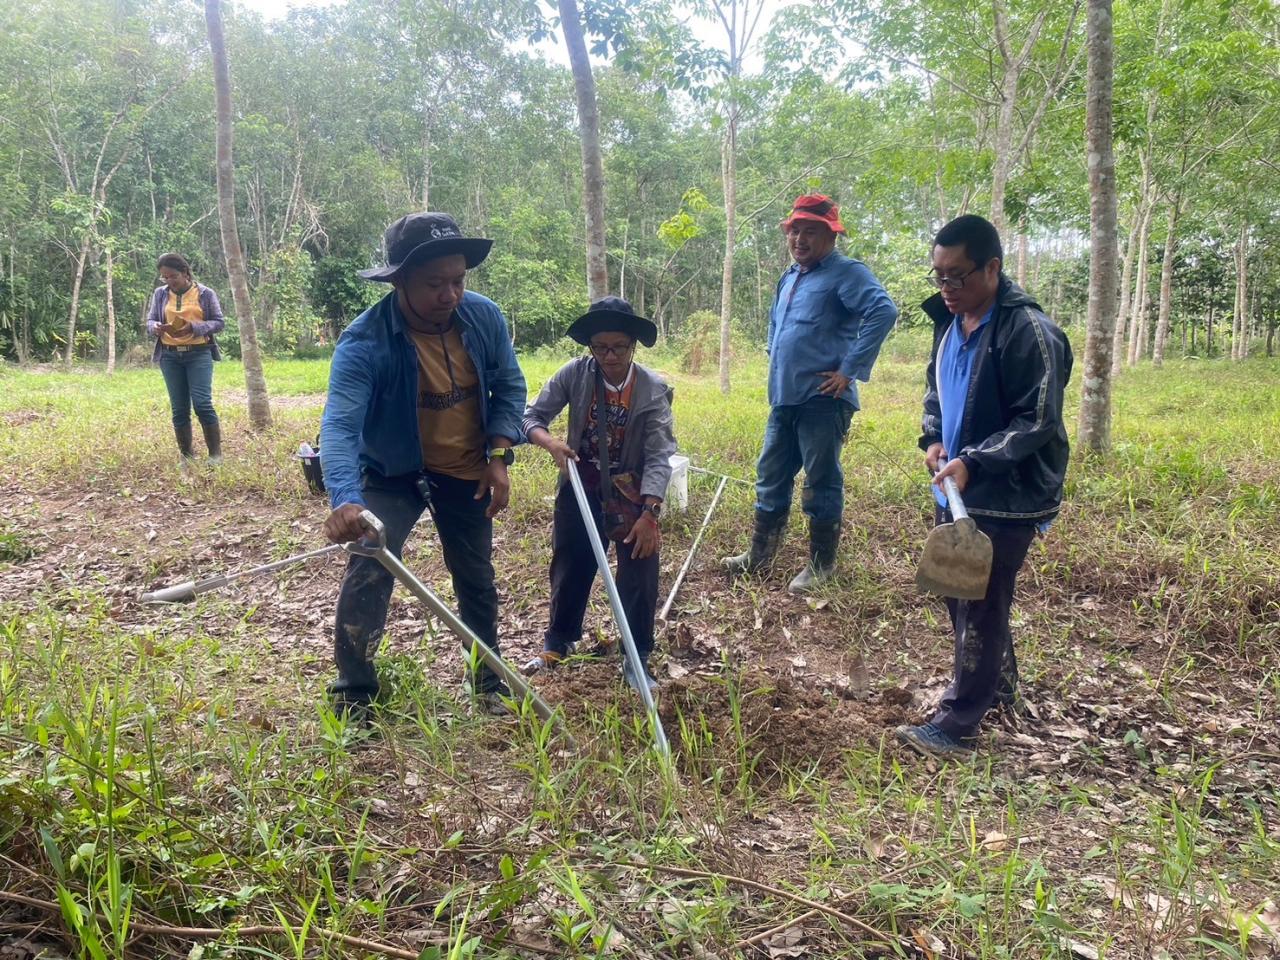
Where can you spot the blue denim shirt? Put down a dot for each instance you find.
(832, 316)
(371, 416)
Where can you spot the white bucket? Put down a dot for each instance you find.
(678, 487)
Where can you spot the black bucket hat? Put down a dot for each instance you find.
(425, 236)
(613, 315)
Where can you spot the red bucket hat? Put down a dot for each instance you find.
(815, 206)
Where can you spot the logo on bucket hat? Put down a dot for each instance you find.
(418, 237)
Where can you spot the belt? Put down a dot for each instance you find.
(184, 348)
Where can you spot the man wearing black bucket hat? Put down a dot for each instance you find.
(620, 435)
(424, 406)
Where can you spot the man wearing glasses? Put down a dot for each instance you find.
(829, 317)
(993, 423)
(620, 436)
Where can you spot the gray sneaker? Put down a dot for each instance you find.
(930, 740)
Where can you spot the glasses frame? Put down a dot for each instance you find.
(602, 351)
(949, 283)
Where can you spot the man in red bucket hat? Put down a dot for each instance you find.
(829, 317)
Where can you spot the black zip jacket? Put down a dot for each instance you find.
(1012, 437)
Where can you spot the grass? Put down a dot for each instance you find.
(176, 767)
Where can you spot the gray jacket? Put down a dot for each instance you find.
(649, 441)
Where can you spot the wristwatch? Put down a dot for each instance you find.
(505, 454)
(653, 508)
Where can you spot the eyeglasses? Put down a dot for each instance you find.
(603, 351)
(949, 283)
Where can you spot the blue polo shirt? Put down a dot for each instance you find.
(953, 370)
(833, 315)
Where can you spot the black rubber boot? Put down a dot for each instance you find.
(765, 540)
(213, 440)
(824, 537)
(184, 437)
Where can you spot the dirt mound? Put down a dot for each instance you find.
(774, 720)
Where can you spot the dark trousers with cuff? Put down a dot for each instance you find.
(985, 665)
(466, 540)
(573, 570)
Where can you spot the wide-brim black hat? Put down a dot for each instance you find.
(418, 237)
(613, 315)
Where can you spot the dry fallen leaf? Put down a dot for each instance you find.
(994, 840)
(929, 945)
(787, 943)
(1083, 950)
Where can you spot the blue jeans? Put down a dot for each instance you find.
(188, 375)
(807, 435)
(466, 540)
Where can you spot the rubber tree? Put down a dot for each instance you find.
(1095, 399)
(254, 381)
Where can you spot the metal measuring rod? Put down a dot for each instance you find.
(619, 615)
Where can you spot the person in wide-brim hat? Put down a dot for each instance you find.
(612, 314)
(637, 442)
(418, 237)
(423, 412)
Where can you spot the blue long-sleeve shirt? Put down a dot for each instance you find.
(833, 315)
(954, 370)
(371, 415)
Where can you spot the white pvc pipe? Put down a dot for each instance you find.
(688, 561)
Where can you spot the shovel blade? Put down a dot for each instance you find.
(956, 561)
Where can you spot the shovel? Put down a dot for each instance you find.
(957, 555)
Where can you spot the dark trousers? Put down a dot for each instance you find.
(466, 539)
(807, 435)
(985, 664)
(573, 570)
(188, 376)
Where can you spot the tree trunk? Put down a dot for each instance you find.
(1003, 146)
(254, 381)
(1022, 253)
(111, 316)
(1126, 280)
(1240, 326)
(1095, 399)
(1208, 324)
(1166, 281)
(1138, 321)
(584, 87)
(729, 168)
(622, 267)
(82, 261)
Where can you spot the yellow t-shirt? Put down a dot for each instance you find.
(449, 425)
(181, 310)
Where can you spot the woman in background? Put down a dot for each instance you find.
(184, 317)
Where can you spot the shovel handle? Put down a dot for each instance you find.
(954, 503)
